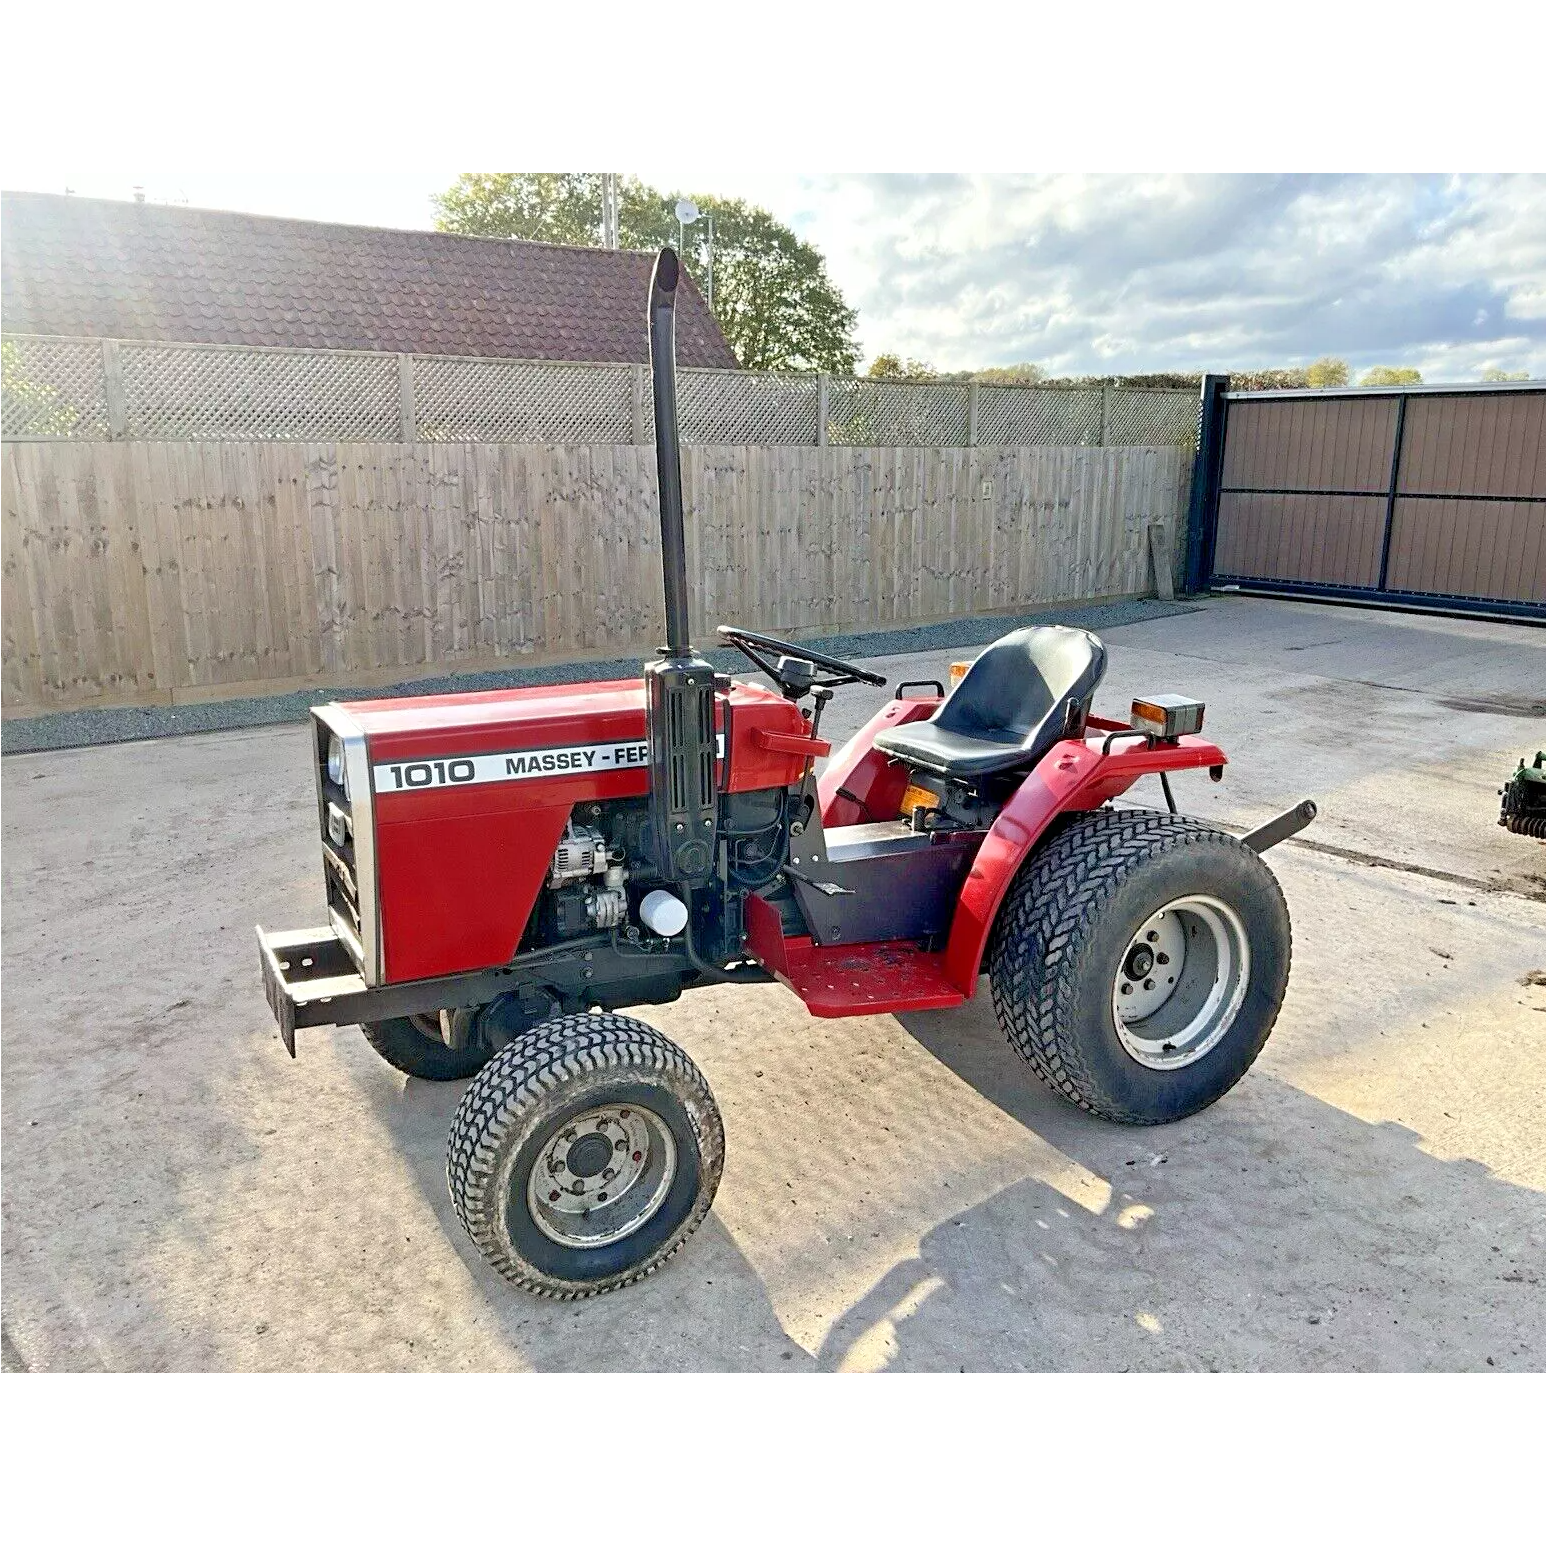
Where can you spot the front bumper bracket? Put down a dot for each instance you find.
(311, 979)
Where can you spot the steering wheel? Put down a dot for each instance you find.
(765, 652)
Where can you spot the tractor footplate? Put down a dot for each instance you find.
(836, 980)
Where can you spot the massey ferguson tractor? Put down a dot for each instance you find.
(504, 871)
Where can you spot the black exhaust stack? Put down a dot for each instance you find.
(679, 687)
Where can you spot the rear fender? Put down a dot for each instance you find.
(1073, 776)
(862, 783)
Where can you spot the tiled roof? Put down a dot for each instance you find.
(98, 268)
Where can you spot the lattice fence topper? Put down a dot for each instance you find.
(202, 393)
(94, 389)
(896, 413)
(1010, 416)
(522, 400)
(732, 408)
(52, 389)
(1150, 418)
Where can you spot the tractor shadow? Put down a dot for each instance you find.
(1272, 1232)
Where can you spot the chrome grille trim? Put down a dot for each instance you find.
(335, 719)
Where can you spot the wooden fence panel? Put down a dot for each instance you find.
(169, 571)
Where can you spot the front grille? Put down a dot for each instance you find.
(339, 863)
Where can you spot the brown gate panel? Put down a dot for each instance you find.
(1435, 496)
(1318, 539)
(1341, 443)
(1485, 549)
(1493, 445)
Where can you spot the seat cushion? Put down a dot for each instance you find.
(927, 745)
(1023, 694)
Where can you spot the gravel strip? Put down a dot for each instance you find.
(98, 727)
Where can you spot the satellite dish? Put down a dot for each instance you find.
(686, 211)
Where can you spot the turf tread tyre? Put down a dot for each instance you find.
(1040, 961)
(508, 1098)
(413, 1052)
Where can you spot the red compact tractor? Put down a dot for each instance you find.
(506, 870)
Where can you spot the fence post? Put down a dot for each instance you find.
(639, 438)
(1203, 509)
(822, 383)
(973, 401)
(407, 417)
(1102, 439)
(112, 390)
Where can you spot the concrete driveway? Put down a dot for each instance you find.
(899, 1192)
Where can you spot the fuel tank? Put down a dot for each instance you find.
(466, 796)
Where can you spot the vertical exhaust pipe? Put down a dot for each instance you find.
(679, 685)
(668, 448)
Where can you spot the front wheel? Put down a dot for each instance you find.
(413, 1045)
(1139, 963)
(584, 1154)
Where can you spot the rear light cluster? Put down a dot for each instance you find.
(1167, 715)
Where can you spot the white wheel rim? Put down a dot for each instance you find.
(1180, 982)
(581, 1200)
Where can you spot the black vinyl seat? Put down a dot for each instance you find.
(1022, 695)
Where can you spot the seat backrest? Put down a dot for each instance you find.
(1015, 684)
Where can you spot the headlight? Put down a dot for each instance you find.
(337, 768)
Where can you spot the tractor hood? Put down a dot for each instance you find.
(456, 802)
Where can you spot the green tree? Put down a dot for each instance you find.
(1391, 375)
(1494, 373)
(1328, 371)
(775, 303)
(892, 367)
(1024, 374)
(772, 295)
(562, 207)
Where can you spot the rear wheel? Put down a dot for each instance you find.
(584, 1154)
(1139, 963)
(413, 1044)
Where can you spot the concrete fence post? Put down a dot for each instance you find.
(823, 389)
(973, 403)
(113, 396)
(640, 437)
(407, 415)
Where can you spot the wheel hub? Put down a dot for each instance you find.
(589, 1156)
(602, 1176)
(1181, 982)
(1140, 960)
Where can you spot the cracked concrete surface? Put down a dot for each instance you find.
(899, 1193)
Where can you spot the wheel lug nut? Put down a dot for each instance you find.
(553, 1196)
(606, 1175)
(1127, 987)
(601, 1196)
(622, 1143)
(1151, 936)
(578, 1188)
(1162, 958)
(1148, 984)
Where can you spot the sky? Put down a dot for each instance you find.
(1095, 274)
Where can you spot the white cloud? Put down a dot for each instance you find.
(1136, 273)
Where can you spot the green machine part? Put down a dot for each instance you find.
(1524, 799)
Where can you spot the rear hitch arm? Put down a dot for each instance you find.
(1293, 820)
